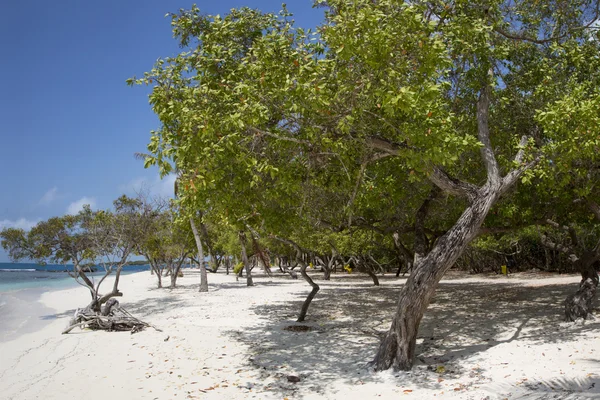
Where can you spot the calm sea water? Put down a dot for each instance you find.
(24, 276)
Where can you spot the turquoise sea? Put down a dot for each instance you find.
(17, 276)
(21, 286)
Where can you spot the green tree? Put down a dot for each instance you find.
(107, 238)
(272, 124)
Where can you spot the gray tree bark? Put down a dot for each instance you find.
(397, 349)
(203, 277)
(242, 238)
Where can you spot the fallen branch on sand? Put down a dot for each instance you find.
(112, 318)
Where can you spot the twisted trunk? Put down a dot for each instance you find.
(397, 349)
(311, 295)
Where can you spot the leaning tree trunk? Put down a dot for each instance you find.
(242, 238)
(311, 295)
(203, 277)
(397, 349)
(579, 304)
(373, 275)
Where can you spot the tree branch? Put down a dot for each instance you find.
(516, 173)
(421, 240)
(383, 145)
(279, 137)
(483, 133)
(359, 180)
(525, 38)
(452, 185)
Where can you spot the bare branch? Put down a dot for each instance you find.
(521, 152)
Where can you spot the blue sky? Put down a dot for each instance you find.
(69, 123)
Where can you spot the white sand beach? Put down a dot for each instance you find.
(484, 337)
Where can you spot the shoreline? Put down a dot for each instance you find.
(23, 312)
(22, 309)
(481, 338)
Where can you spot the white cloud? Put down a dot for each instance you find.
(156, 187)
(77, 206)
(21, 223)
(166, 187)
(49, 196)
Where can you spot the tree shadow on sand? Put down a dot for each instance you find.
(348, 317)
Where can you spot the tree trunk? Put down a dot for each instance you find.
(579, 304)
(242, 238)
(327, 266)
(373, 276)
(173, 278)
(213, 260)
(177, 271)
(403, 254)
(421, 246)
(311, 295)
(155, 269)
(261, 256)
(397, 349)
(203, 277)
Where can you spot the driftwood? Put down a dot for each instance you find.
(112, 317)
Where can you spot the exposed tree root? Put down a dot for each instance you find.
(112, 318)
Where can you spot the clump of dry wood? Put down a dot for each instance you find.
(112, 317)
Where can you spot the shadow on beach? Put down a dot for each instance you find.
(349, 315)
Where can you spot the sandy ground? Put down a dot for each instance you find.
(482, 338)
